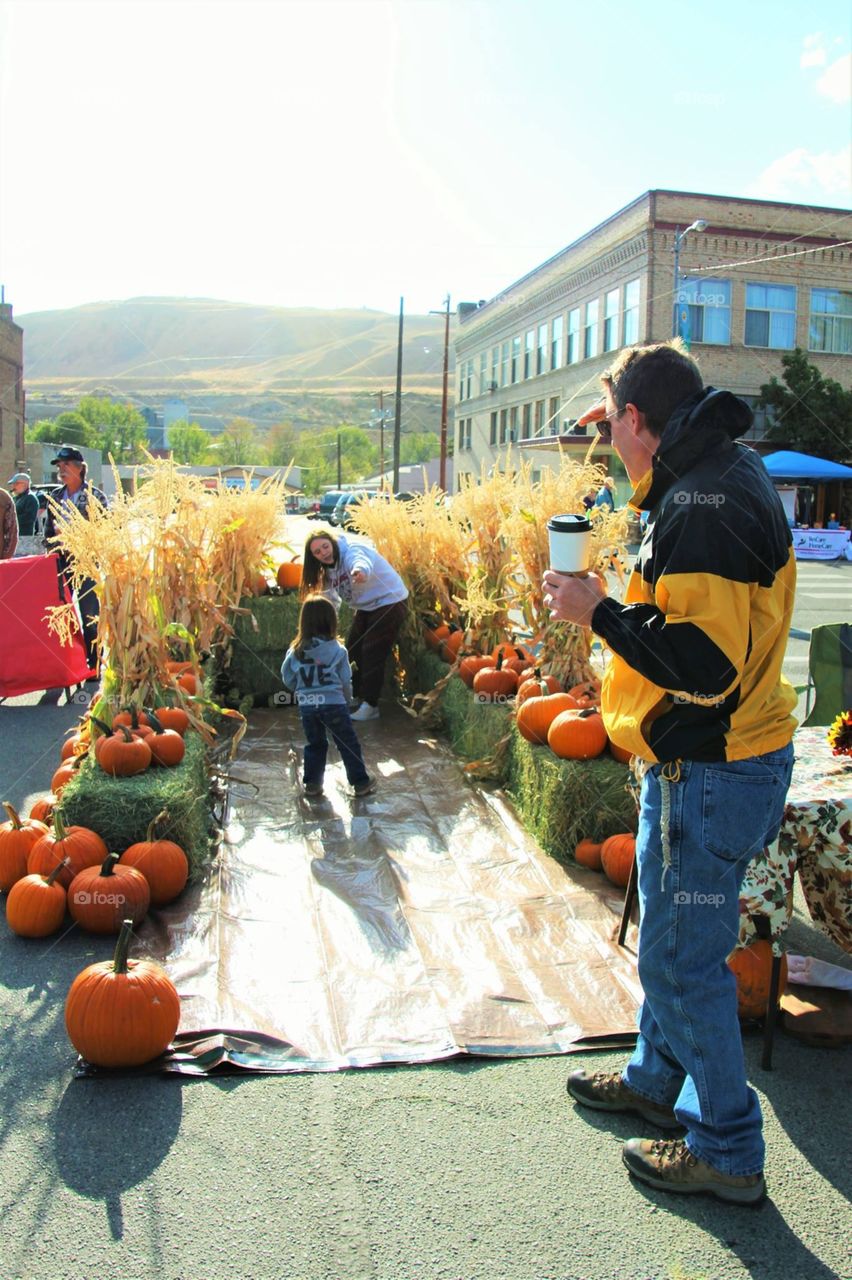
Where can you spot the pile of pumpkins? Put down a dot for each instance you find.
(119, 1012)
(288, 577)
(566, 720)
(133, 742)
(614, 856)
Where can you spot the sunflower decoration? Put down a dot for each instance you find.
(840, 735)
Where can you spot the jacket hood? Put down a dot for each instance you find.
(705, 423)
(324, 651)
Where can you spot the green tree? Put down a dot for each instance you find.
(66, 428)
(121, 429)
(188, 442)
(419, 446)
(811, 412)
(239, 445)
(282, 443)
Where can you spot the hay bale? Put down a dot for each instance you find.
(120, 809)
(257, 651)
(562, 801)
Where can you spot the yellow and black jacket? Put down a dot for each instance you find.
(697, 647)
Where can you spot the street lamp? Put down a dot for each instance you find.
(698, 225)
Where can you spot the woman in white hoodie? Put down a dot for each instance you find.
(357, 574)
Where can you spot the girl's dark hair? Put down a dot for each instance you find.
(313, 570)
(318, 618)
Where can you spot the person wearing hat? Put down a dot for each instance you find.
(76, 491)
(606, 493)
(26, 509)
(8, 526)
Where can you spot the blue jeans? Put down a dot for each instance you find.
(700, 825)
(335, 719)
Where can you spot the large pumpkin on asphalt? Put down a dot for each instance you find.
(535, 715)
(577, 734)
(17, 837)
(752, 968)
(100, 898)
(617, 856)
(81, 847)
(36, 905)
(120, 1012)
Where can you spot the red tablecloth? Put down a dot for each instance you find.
(31, 656)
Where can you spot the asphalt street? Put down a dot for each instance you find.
(461, 1170)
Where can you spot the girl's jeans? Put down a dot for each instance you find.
(699, 827)
(317, 723)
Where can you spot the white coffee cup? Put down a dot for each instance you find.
(570, 543)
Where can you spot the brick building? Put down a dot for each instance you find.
(756, 278)
(11, 394)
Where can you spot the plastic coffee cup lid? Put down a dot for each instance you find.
(569, 524)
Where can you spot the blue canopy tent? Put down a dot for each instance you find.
(788, 465)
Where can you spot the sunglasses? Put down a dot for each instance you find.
(604, 425)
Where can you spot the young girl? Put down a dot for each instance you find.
(364, 579)
(317, 668)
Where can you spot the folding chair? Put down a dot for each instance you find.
(829, 672)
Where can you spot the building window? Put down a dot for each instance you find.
(495, 368)
(504, 415)
(610, 333)
(573, 353)
(504, 366)
(461, 382)
(492, 439)
(529, 346)
(630, 328)
(541, 349)
(538, 419)
(469, 383)
(513, 423)
(556, 342)
(590, 337)
(830, 327)
(770, 318)
(516, 359)
(483, 372)
(704, 314)
(526, 414)
(461, 433)
(467, 434)
(553, 416)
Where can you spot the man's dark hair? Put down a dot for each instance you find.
(656, 378)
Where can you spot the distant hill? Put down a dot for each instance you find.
(158, 347)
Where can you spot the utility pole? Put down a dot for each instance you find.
(397, 425)
(339, 464)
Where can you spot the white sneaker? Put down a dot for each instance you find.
(366, 712)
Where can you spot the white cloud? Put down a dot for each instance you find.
(836, 81)
(804, 174)
(813, 51)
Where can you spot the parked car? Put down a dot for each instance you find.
(328, 502)
(344, 512)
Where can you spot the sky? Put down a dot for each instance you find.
(345, 153)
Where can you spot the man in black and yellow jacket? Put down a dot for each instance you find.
(693, 687)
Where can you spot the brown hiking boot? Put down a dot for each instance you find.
(606, 1091)
(669, 1165)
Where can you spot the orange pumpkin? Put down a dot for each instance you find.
(258, 584)
(513, 653)
(587, 694)
(173, 718)
(162, 862)
(76, 745)
(620, 753)
(178, 668)
(535, 715)
(588, 854)
(123, 754)
(63, 776)
(42, 810)
(450, 646)
(167, 747)
(17, 838)
(470, 664)
(120, 1012)
(577, 734)
(131, 717)
(189, 683)
(289, 575)
(79, 846)
(752, 968)
(617, 857)
(495, 684)
(537, 685)
(36, 905)
(100, 898)
(435, 636)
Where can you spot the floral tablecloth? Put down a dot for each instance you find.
(815, 840)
